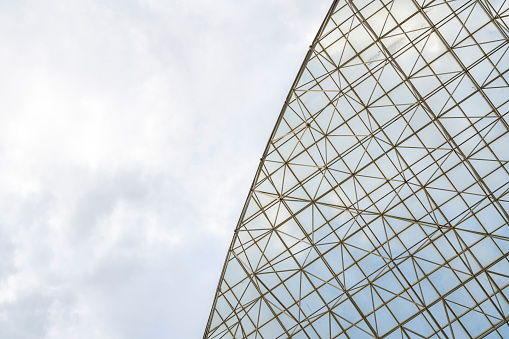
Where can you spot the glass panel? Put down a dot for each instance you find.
(381, 206)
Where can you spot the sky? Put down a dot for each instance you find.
(130, 132)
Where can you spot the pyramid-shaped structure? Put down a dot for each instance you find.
(380, 206)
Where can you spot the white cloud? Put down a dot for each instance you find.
(129, 135)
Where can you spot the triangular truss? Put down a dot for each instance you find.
(380, 206)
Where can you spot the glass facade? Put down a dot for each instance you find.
(380, 206)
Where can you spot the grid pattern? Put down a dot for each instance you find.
(380, 206)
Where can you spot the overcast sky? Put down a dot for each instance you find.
(130, 131)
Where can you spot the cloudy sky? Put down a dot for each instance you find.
(130, 131)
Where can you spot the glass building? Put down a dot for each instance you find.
(380, 205)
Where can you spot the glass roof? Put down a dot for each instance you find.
(380, 206)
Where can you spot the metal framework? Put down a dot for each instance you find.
(380, 206)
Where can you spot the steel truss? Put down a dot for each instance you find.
(380, 206)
